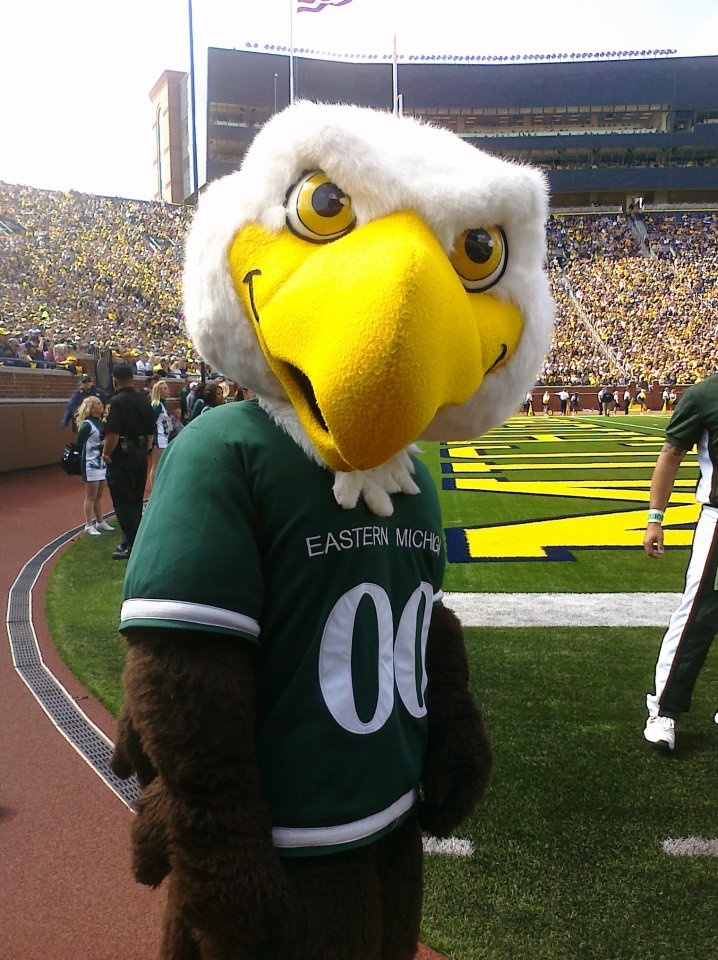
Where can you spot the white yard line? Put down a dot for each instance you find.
(691, 847)
(451, 847)
(563, 609)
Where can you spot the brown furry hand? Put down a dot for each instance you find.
(458, 759)
(454, 780)
(128, 757)
(241, 895)
(150, 839)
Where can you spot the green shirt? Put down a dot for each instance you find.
(695, 423)
(338, 602)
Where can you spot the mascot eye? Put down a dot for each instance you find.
(318, 209)
(480, 257)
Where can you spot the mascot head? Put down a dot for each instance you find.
(373, 279)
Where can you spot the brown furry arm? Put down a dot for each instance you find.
(191, 700)
(458, 758)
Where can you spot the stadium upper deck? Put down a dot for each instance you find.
(605, 131)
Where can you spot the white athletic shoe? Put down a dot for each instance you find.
(715, 718)
(92, 530)
(103, 525)
(661, 731)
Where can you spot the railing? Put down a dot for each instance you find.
(603, 349)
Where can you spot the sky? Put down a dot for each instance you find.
(75, 75)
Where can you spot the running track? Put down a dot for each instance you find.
(66, 891)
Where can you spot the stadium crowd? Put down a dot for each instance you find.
(81, 273)
(630, 311)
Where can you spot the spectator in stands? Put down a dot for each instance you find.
(130, 358)
(143, 364)
(94, 473)
(34, 353)
(178, 368)
(104, 272)
(7, 350)
(87, 388)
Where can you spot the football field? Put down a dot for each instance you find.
(589, 844)
(546, 504)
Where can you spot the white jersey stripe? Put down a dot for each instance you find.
(705, 483)
(182, 611)
(344, 832)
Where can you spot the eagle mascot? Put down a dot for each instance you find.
(297, 705)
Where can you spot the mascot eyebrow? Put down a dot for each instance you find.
(249, 280)
(301, 713)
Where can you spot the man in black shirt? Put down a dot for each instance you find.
(129, 434)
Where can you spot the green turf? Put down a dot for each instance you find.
(82, 605)
(584, 443)
(568, 859)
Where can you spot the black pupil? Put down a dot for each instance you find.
(327, 200)
(478, 246)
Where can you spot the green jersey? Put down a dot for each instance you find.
(695, 423)
(338, 602)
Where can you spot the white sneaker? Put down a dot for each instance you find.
(92, 530)
(661, 731)
(715, 718)
(103, 525)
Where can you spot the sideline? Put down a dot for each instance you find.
(62, 709)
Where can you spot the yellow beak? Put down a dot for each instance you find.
(369, 335)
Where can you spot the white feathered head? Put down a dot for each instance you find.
(379, 274)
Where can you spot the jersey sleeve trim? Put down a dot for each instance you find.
(143, 612)
(294, 837)
(438, 596)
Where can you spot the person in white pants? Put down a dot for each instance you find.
(694, 624)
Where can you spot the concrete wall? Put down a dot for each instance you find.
(31, 406)
(30, 434)
(32, 403)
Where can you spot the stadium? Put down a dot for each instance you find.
(585, 836)
(631, 155)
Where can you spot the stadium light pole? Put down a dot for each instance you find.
(291, 51)
(396, 97)
(193, 114)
